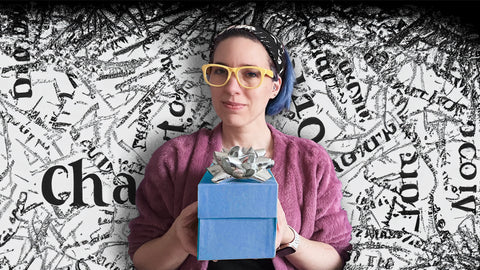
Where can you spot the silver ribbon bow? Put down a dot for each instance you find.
(240, 163)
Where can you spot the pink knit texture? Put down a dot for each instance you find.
(308, 189)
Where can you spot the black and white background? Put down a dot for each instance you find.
(88, 91)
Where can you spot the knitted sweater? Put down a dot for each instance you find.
(308, 190)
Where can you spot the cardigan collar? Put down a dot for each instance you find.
(277, 137)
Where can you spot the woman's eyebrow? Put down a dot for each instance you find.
(242, 65)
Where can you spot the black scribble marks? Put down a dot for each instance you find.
(14, 213)
(87, 93)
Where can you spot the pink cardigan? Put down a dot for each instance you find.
(308, 190)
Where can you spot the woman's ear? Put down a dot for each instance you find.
(276, 87)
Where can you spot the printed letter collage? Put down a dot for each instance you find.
(88, 92)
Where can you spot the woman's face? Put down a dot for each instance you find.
(235, 105)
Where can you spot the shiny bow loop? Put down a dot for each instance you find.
(240, 163)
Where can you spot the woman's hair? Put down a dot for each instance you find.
(284, 96)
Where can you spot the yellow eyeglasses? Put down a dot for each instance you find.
(247, 76)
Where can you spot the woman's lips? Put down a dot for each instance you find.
(233, 105)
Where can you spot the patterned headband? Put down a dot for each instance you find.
(274, 47)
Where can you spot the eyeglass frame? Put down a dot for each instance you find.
(235, 70)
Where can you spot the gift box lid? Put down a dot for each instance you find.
(237, 198)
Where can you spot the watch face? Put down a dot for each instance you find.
(285, 251)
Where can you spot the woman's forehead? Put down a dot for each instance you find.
(241, 51)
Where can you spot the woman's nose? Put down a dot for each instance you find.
(232, 85)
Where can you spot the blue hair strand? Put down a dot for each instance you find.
(284, 97)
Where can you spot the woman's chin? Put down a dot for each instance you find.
(234, 122)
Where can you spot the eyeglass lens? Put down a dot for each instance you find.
(247, 76)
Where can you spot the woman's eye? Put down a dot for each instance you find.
(219, 71)
(249, 73)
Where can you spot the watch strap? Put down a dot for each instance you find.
(289, 248)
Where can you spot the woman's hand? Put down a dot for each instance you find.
(186, 228)
(170, 250)
(284, 234)
(310, 254)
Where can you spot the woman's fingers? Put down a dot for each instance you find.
(284, 234)
(187, 228)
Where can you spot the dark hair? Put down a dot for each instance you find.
(284, 97)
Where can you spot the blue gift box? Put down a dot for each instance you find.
(237, 218)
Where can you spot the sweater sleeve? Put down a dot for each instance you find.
(154, 201)
(331, 224)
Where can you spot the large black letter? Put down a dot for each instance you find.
(47, 185)
(313, 121)
(130, 186)
(78, 186)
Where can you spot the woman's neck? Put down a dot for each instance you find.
(257, 138)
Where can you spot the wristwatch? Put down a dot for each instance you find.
(289, 248)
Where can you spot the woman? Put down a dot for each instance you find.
(250, 74)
